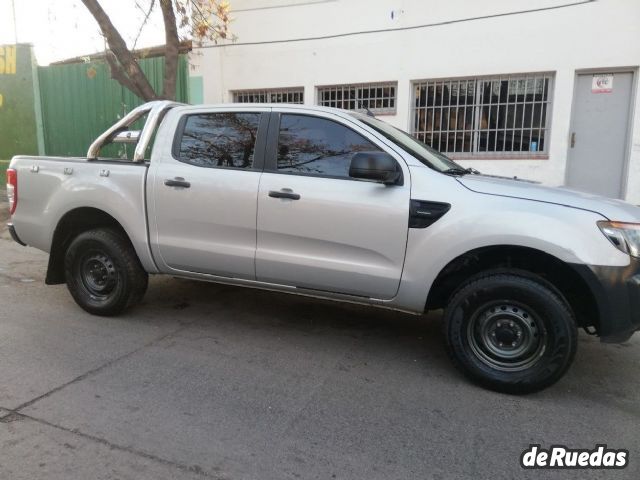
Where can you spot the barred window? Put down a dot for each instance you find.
(380, 98)
(276, 95)
(506, 114)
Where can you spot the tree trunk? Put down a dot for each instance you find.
(172, 43)
(124, 67)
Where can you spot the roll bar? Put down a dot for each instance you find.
(118, 132)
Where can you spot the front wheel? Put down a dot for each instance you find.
(103, 273)
(509, 332)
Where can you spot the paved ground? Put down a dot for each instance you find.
(207, 381)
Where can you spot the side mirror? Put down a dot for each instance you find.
(377, 166)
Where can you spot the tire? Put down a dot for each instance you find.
(510, 332)
(103, 273)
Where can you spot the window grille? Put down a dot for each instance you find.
(379, 98)
(494, 115)
(279, 95)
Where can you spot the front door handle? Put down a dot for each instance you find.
(281, 194)
(177, 182)
(573, 139)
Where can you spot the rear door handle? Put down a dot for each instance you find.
(281, 194)
(177, 182)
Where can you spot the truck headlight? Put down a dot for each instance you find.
(625, 236)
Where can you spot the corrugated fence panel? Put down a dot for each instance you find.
(18, 120)
(80, 101)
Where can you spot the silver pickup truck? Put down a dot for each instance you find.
(338, 205)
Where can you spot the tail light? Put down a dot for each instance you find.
(12, 189)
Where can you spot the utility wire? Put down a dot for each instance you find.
(399, 29)
(286, 5)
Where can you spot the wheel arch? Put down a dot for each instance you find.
(70, 225)
(558, 273)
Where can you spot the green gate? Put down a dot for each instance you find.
(19, 103)
(80, 101)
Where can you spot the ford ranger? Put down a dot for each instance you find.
(337, 205)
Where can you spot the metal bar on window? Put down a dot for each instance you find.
(522, 87)
(455, 126)
(505, 114)
(276, 95)
(544, 109)
(476, 117)
(533, 111)
(436, 108)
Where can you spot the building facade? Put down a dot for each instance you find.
(543, 90)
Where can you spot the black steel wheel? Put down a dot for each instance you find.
(98, 274)
(103, 273)
(510, 331)
(506, 336)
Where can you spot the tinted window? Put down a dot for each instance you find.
(312, 145)
(219, 139)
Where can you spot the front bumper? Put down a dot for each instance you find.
(14, 235)
(617, 294)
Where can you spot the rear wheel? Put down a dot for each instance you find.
(510, 332)
(103, 273)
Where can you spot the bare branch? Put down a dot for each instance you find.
(144, 22)
(119, 48)
(118, 74)
(172, 42)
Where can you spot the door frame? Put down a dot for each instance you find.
(368, 133)
(628, 134)
(170, 157)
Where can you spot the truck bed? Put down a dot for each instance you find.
(56, 186)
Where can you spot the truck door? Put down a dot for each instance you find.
(204, 193)
(318, 228)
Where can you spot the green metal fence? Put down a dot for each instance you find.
(19, 109)
(80, 101)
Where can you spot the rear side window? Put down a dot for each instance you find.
(317, 146)
(219, 140)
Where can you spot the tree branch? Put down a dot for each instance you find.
(144, 22)
(119, 75)
(128, 64)
(172, 43)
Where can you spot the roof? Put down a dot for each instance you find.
(288, 106)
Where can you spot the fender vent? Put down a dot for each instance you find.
(423, 213)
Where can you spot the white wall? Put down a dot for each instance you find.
(602, 34)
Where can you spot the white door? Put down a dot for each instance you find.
(320, 229)
(599, 133)
(205, 195)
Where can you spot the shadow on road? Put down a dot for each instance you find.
(603, 372)
(417, 336)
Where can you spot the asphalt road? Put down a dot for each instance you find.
(208, 381)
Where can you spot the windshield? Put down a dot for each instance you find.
(425, 154)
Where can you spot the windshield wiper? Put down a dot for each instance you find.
(366, 109)
(460, 171)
